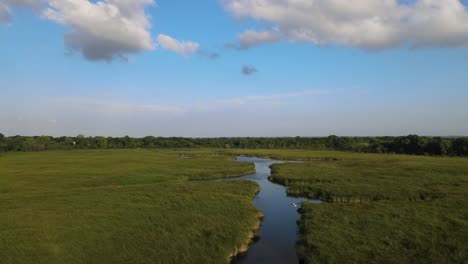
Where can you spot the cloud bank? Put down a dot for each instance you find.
(365, 24)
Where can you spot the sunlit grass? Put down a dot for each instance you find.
(382, 208)
(122, 206)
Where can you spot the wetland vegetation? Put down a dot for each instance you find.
(123, 206)
(380, 208)
(140, 206)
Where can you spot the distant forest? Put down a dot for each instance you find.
(412, 144)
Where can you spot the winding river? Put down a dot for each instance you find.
(279, 231)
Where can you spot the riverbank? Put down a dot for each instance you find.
(278, 232)
(380, 208)
(253, 236)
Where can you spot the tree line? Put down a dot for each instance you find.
(412, 144)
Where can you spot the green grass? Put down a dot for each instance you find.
(122, 206)
(380, 208)
(364, 178)
(138, 206)
(385, 232)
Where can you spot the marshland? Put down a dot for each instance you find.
(233, 132)
(170, 205)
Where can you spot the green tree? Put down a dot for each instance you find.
(100, 142)
(3, 144)
(460, 146)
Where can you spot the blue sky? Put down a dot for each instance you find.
(309, 80)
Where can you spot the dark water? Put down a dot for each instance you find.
(279, 231)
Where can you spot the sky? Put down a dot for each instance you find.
(211, 68)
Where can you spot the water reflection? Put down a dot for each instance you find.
(279, 231)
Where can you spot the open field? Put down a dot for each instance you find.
(122, 206)
(137, 206)
(384, 208)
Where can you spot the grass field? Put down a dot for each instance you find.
(383, 208)
(138, 206)
(123, 206)
(385, 232)
(363, 178)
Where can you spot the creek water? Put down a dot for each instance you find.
(279, 230)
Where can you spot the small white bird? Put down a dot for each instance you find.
(294, 204)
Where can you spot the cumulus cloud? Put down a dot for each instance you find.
(185, 48)
(366, 24)
(249, 70)
(103, 30)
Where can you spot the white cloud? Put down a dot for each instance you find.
(103, 30)
(366, 24)
(184, 48)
